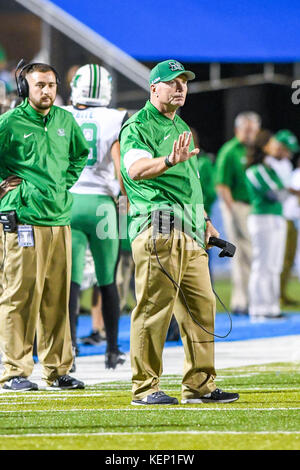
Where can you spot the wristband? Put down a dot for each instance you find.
(167, 162)
(207, 219)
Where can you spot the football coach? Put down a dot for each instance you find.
(169, 234)
(42, 153)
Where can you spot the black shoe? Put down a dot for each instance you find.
(66, 382)
(279, 316)
(240, 313)
(217, 396)
(275, 317)
(156, 398)
(114, 358)
(20, 384)
(93, 339)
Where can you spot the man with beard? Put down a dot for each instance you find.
(42, 153)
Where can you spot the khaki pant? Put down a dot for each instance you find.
(289, 257)
(157, 299)
(237, 233)
(36, 282)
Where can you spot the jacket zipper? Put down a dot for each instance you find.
(47, 138)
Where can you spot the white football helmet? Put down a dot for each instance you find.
(92, 86)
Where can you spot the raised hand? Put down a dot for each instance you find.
(180, 151)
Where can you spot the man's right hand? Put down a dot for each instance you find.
(9, 184)
(180, 151)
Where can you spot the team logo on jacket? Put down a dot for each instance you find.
(61, 132)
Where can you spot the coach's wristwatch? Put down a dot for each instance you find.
(168, 163)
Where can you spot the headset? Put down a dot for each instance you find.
(22, 84)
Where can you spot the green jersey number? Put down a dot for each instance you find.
(90, 132)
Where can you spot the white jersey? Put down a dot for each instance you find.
(101, 127)
(284, 170)
(293, 210)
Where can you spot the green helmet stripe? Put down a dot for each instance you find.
(95, 81)
(91, 80)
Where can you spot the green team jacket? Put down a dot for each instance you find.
(48, 154)
(230, 169)
(261, 179)
(178, 188)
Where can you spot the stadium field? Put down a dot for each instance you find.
(267, 416)
(260, 361)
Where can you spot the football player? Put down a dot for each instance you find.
(94, 214)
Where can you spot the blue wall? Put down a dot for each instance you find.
(195, 30)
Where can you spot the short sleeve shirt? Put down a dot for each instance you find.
(230, 169)
(178, 189)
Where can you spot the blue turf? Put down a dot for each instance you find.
(242, 329)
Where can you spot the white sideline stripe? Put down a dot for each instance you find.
(146, 408)
(24, 399)
(142, 433)
(64, 395)
(39, 395)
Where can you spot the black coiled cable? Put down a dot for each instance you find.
(185, 301)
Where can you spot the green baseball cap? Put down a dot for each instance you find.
(167, 70)
(287, 138)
